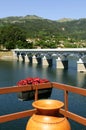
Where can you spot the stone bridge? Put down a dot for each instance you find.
(55, 57)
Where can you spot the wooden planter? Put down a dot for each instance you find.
(30, 95)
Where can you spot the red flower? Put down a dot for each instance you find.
(45, 80)
(36, 79)
(22, 82)
(30, 81)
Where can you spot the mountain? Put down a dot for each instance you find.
(14, 19)
(65, 20)
(36, 26)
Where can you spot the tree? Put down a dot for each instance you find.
(13, 36)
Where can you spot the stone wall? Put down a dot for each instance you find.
(6, 54)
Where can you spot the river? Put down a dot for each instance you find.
(12, 71)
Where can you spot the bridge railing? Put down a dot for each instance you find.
(66, 88)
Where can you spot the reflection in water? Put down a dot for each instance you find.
(13, 71)
(81, 80)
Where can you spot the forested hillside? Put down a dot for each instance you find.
(45, 33)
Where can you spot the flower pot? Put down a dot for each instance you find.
(47, 116)
(25, 96)
(30, 95)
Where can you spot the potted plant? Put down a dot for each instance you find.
(30, 95)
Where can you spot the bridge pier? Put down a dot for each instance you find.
(81, 65)
(30, 59)
(23, 57)
(47, 61)
(34, 59)
(60, 63)
(20, 57)
(26, 58)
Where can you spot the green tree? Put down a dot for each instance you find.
(13, 36)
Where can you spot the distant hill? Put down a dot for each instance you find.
(65, 20)
(36, 26)
(14, 19)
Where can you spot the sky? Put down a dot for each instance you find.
(48, 9)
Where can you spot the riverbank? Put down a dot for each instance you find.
(5, 54)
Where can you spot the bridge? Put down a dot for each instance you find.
(53, 57)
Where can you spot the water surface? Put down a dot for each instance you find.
(12, 71)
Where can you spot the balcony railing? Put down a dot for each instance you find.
(66, 88)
